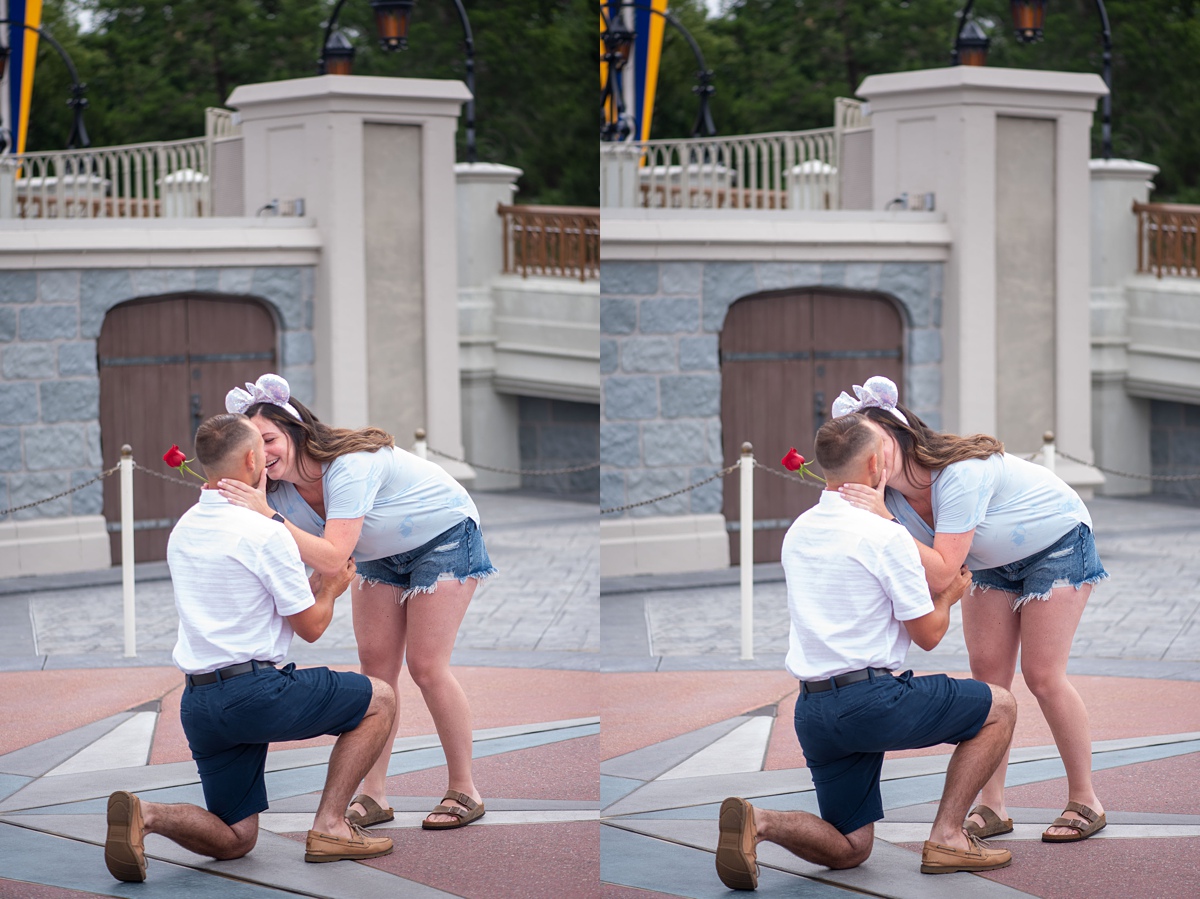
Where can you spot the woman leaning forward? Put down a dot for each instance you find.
(413, 532)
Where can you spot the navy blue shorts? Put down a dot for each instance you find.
(844, 733)
(230, 723)
(457, 553)
(1071, 561)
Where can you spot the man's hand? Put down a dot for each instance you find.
(957, 587)
(340, 581)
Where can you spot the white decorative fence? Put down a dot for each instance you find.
(153, 180)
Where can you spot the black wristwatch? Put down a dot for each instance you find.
(278, 517)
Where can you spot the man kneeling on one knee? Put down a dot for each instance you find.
(857, 596)
(241, 592)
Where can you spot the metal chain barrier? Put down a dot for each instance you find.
(166, 477)
(514, 470)
(99, 477)
(649, 502)
(1130, 474)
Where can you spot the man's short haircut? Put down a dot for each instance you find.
(841, 441)
(221, 436)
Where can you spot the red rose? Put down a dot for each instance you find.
(175, 458)
(793, 461)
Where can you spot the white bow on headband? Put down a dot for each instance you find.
(878, 393)
(268, 389)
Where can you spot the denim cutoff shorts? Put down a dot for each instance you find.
(845, 732)
(229, 725)
(454, 554)
(1072, 561)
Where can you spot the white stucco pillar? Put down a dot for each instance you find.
(373, 159)
(491, 424)
(1005, 153)
(1120, 422)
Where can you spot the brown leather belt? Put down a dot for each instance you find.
(841, 680)
(211, 677)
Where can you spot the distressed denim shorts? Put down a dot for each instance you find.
(454, 554)
(1072, 561)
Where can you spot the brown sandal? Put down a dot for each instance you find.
(1082, 831)
(375, 813)
(993, 824)
(471, 811)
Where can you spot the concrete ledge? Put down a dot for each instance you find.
(663, 544)
(54, 545)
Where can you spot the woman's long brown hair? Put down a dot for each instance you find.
(930, 449)
(315, 440)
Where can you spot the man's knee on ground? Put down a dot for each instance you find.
(859, 845)
(245, 834)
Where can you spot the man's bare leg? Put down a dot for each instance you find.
(971, 765)
(814, 839)
(199, 830)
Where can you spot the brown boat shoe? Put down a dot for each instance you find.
(737, 859)
(939, 859)
(324, 847)
(124, 852)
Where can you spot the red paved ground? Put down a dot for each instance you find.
(18, 889)
(612, 891)
(566, 770)
(1100, 869)
(1165, 787)
(646, 708)
(530, 861)
(43, 704)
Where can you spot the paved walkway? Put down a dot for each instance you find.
(80, 720)
(692, 723)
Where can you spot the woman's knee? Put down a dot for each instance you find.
(427, 672)
(1043, 681)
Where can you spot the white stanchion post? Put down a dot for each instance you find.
(747, 550)
(1048, 460)
(420, 447)
(127, 550)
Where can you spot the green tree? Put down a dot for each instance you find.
(152, 66)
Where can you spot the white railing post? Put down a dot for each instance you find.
(127, 550)
(420, 447)
(747, 550)
(1048, 460)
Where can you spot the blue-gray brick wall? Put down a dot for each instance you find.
(1175, 447)
(660, 377)
(49, 383)
(556, 435)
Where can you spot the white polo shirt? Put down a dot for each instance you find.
(852, 577)
(237, 576)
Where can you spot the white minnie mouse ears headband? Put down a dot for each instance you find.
(878, 393)
(268, 389)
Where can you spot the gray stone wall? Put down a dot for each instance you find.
(660, 378)
(556, 434)
(49, 383)
(1175, 447)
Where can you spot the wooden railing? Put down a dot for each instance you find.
(1167, 243)
(556, 241)
(154, 180)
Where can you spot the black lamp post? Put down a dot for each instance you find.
(391, 22)
(1028, 18)
(617, 44)
(78, 99)
(970, 42)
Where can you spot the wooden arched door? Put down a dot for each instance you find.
(784, 358)
(165, 366)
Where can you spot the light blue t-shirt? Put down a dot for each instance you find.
(1017, 509)
(405, 501)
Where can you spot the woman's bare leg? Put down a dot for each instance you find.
(433, 622)
(1047, 630)
(993, 635)
(380, 626)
